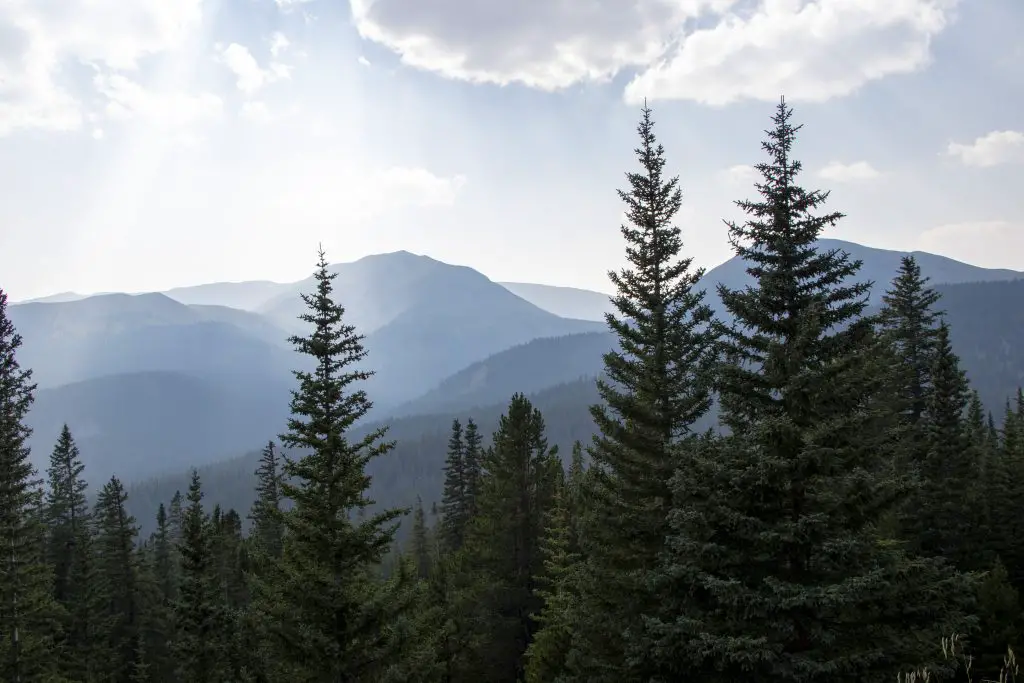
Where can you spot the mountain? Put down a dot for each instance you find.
(424, 319)
(986, 329)
(247, 296)
(568, 302)
(120, 333)
(141, 424)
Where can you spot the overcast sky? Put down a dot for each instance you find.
(146, 144)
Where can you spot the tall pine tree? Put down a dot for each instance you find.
(325, 612)
(657, 387)
(775, 570)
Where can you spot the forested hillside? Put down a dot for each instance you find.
(798, 484)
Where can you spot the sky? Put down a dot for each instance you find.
(159, 143)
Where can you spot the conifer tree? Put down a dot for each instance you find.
(196, 646)
(266, 511)
(657, 387)
(472, 464)
(503, 542)
(28, 612)
(114, 589)
(68, 540)
(325, 613)
(775, 570)
(454, 499)
(909, 323)
(420, 541)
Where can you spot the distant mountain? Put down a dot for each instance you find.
(568, 302)
(121, 333)
(424, 319)
(248, 296)
(986, 328)
(141, 424)
(55, 298)
(879, 266)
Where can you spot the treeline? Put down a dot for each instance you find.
(856, 507)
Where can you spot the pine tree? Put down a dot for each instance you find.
(657, 387)
(28, 612)
(775, 570)
(940, 520)
(114, 586)
(68, 551)
(266, 511)
(454, 499)
(324, 611)
(503, 542)
(196, 615)
(546, 656)
(472, 464)
(420, 541)
(909, 323)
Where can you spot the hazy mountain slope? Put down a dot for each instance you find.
(568, 302)
(248, 296)
(119, 333)
(986, 324)
(55, 298)
(530, 367)
(141, 424)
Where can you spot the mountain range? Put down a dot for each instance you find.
(156, 382)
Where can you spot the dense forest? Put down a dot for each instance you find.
(811, 492)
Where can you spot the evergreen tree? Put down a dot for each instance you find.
(68, 540)
(503, 542)
(326, 614)
(657, 387)
(266, 511)
(196, 646)
(28, 612)
(454, 500)
(420, 541)
(910, 324)
(472, 464)
(114, 589)
(774, 569)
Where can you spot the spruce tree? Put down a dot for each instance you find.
(326, 614)
(196, 616)
(420, 541)
(503, 542)
(454, 507)
(266, 511)
(472, 464)
(114, 589)
(775, 570)
(68, 551)
(909, 322)
(657, 386)
(28, 612)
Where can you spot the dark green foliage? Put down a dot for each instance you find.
(420, 542)
(326, 616)
(27, 607)
(68, 549)
(657, 386)
(454, 500)
(502, 549)
(775, 569)
(114, 589)
(267, 526)
(197, 612)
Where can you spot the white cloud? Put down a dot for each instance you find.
(364, 61)
(278, 43)
(250, 76)
(39, 41)
(857, 171)
(741, 174)
(996, 148)
(289, 5)
(806, 49)
(811, 50)
(991, 244)
(127, 101)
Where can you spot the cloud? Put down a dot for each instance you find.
(810, 50)
(858, 171)
(991, 244)
(250, 76)
(710, 51)
(994, 149)
(741, 174)
(40, 40)
(175, 110)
